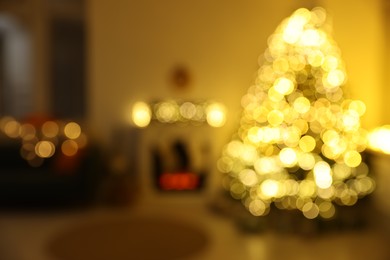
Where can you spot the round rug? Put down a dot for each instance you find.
(134, 238)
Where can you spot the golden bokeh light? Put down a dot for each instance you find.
(141, 114)
(269, 188)
(311, 37)
(275, 117)
(352, 159)
(258, 208)
(167, 111)
(284, 86)
(307, 143)
(248, 177)
(27, 132)
(323, 175)
(69, 148)
(44, 149)
(72, 130)
(310, 210)
(216, 114)
(306, 161)
(288, 157)
(12, 128)
(50, 129)
(379, 139)
(334, 78)
(302, 105)
(188, 110)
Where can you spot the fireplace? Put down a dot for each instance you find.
(174, 152)
(174, 159)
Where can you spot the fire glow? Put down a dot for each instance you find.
(179, 181)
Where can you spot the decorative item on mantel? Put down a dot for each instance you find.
(299, 144)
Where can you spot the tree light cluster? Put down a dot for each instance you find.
(299, 142)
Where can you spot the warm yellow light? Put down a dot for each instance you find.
(141, 114)
(167, 112)
(269, 188)
(234, 148)
(255, 134)
(306, 161)
(258, 208)
(341, 171)
(322, 175)
(379, 139)
(331, 137)
(188, 110)
(275, 117)
(284, 86)
(50, 129)
(248, 177)
(310, 210)
(330, 63)
(302, 105)
(45, 149)
(310, 37)
(302, 125)
(291, 136)
(294, 27)
(281, 65)
(351, 120)
(274, 95)
(307, 143)
(316, 58)
(237, 190)
(288, 157)
(12, 128)
(266, 165)
(307, 188)
(358, 106)
(69, 147)
(27, 132)
(216, 114)
(271, 134)
(326, 194)
(334, 78)
(248, 153)
(352, 159)
(72, 130)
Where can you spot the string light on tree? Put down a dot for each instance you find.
(299, 142)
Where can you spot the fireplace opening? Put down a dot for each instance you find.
(173, 168)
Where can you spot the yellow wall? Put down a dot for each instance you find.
(133, 45)
(359, 31)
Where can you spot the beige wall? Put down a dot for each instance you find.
(133, 45)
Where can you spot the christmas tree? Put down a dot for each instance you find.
(299, 143)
